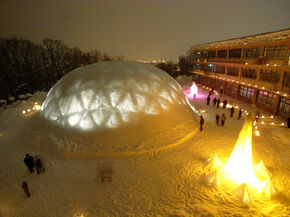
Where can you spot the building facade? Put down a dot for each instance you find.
(254, 69)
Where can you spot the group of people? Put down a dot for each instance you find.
(32, 163)
(216, 102)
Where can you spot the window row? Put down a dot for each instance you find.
(275, 52)
(266, 75)
(284, 107)
(266, 98)
(247, 92)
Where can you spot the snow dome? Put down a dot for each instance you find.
(109, 96)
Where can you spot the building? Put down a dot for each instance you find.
(254, 69)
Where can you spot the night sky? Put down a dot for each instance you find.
(140, 29)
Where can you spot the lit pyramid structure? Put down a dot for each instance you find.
(238, 173)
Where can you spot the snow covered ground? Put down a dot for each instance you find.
(163, 182)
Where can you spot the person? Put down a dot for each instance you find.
(225, 102)
(218, 103)
(201, 122)
(25, 189)
(217, 117)
(214, 101)
(38, 165)
(207, 100)
(232, 111)
(223, 119)
(221, 92)
(29, 162)
(240, 113)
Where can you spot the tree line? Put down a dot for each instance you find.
(26, 67)
(184, 66)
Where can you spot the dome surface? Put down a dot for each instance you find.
(114, 95)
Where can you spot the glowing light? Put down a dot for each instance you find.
(272, 116)
(262, 122)
(193, 90)
(267, 64)
(37, 107)
(246, 63)
(282, 124)
(23, 112)
(263, 116)
(28, 110)
(272, 123)
(237, 106)
(275, 65)
(239, 173)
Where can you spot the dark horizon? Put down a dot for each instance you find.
(138, 29)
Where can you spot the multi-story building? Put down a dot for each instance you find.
(254, 69)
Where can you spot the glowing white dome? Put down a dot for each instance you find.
(111, 94)
(104, 105)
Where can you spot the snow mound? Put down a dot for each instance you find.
(115, 97)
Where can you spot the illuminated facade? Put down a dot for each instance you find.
(254, 69)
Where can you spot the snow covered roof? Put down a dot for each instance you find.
(245, 40)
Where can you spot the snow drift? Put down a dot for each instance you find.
(113, 106)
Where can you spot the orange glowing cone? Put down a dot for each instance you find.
(214, 164)
(212, 180)
(239, 173)
(242, 193)
(261, 171)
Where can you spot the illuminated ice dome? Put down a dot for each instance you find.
(108, 96)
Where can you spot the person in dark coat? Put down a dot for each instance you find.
(38, 165)
(218, 103)
(221, 92)
(201, 122)
(25, 188)
(240, 113)
(29, 162)
(232, 111)
(217, 117)
(214, 101)
(207, 100)
(223, 119)
(225, 102)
